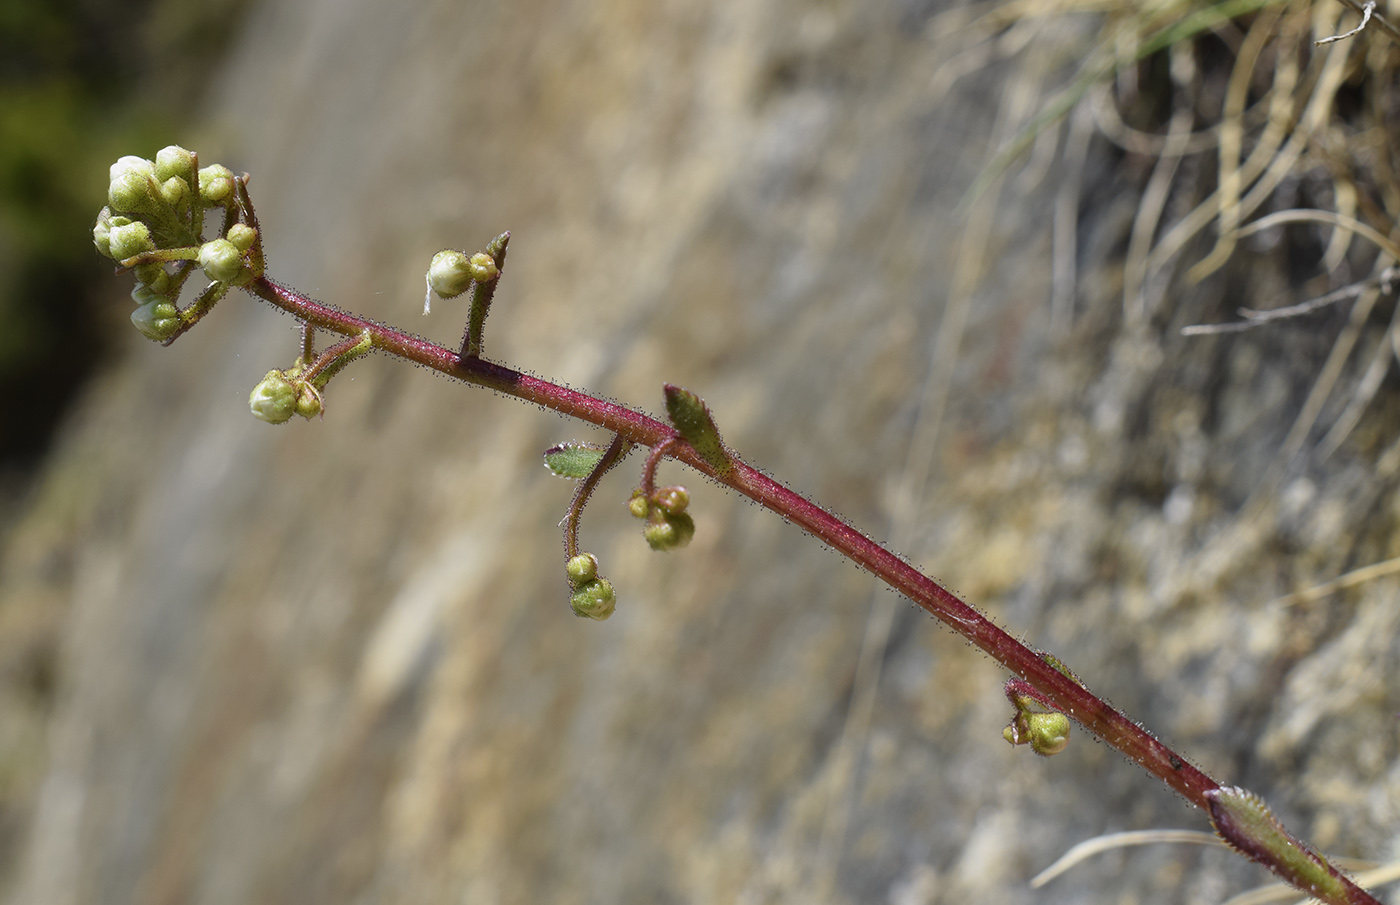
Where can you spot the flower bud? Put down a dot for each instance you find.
(175, 161)
(242, 236)
(638, 505)
(133, 187)
(449, 274)
(672, 500)
(582, 569)
(309, 402)
(221, 260)
(175, 191)
(674, 532)
(156, 320)
(130, 164)
(274, 399)
(1049, 732)
(483, 267)
(595, 600)
(215, 184)
(129, 239)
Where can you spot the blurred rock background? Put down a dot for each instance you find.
(334, 662)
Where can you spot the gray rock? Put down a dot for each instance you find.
(334, 662)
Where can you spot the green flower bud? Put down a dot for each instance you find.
(638, 505)
(672, 500)
(674, 532)
(129, 240)
(215, 184)
(175, 191)
(156, 320)
(175, 162)
(133, 187)
(582, 569)
(449, 274)
(309, 401)
(483, 267)
(221, 260)
(242, 236)
(595, 600)
(274, 399)
(1049, 732)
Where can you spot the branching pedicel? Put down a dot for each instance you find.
(154, 227)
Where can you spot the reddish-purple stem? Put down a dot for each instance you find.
(614, 454)
(1057, 689)
(658, 452)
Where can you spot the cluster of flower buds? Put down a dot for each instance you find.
(282, 394)
(668, 525)
(153, 224)
(593, 597)
(452, 273)
(298, 390)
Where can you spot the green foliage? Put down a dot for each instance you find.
(572, 460)
(692, 419)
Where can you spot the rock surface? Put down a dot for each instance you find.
(334, 662)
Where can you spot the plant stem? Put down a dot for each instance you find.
(658, 452)
(614, 454)
(1064, 694)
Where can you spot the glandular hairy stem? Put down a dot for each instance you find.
(1057, 689)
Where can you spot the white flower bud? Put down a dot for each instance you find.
(129, 239)
(274, 399)
(221, 260)
(449, 274)
(133, 187)
(175, 161)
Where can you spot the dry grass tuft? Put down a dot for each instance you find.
(1254, 123)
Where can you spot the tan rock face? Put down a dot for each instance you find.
(334, 661)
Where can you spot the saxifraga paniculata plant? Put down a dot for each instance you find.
(154, 227)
